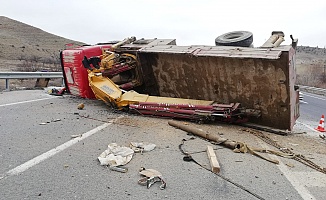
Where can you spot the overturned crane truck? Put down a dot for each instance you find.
(216, 76)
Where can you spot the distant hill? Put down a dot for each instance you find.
(20, 42)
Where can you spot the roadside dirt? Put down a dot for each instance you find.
(312, 148)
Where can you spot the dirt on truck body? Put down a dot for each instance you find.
(258, 78)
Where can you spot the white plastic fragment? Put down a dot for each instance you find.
(142, 147)
(116, 155)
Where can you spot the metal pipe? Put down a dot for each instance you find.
(213, 137)
(184, 106)
(270, 41)
(278, 41)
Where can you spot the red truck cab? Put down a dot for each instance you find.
(75, 75)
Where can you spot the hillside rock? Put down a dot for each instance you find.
(19, 41)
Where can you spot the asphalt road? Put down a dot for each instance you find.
(40, 159)
(312, 108)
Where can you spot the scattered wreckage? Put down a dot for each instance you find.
(232, 83)
(116, 157)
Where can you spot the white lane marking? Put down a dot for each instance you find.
(312, 179)
(314, 97)
(10, 104)
(299, 186)
(309, 127)
(301, 101)
(52, 152)
(306, 125)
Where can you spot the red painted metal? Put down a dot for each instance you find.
(74, 71)
(176, 111)
(127, 86)
(118, 69)
(183, 106)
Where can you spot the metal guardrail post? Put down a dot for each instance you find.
(7, 84)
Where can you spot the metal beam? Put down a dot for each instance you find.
(28, 75)
(24, 75)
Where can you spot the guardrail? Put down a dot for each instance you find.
(313, 90)
(31, 75)
(28, 75)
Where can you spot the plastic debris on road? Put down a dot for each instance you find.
(151, 176)
(142, 147)
(116, 155)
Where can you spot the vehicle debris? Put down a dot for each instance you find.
(81, 106)
(289, 165)
(215, 166)
(264, 128)
(48, 122)
(57, 91)
(142, 146)
(298, 157)
(76, 136)
(322, 136)
(118, 169)
(237, 147)
(188, 158)
(151, 176)
(116, 155)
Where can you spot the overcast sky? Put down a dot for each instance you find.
(191, 22)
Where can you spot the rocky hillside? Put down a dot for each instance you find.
(311, 66)
(21, 43)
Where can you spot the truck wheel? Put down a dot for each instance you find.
(235, 38)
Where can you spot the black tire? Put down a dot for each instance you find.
(235, 38)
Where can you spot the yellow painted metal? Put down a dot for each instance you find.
(107, 91)
(133, 97)
(108, 59)
(103, 88)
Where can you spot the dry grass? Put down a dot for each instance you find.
(311, 62)
(20, 42)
